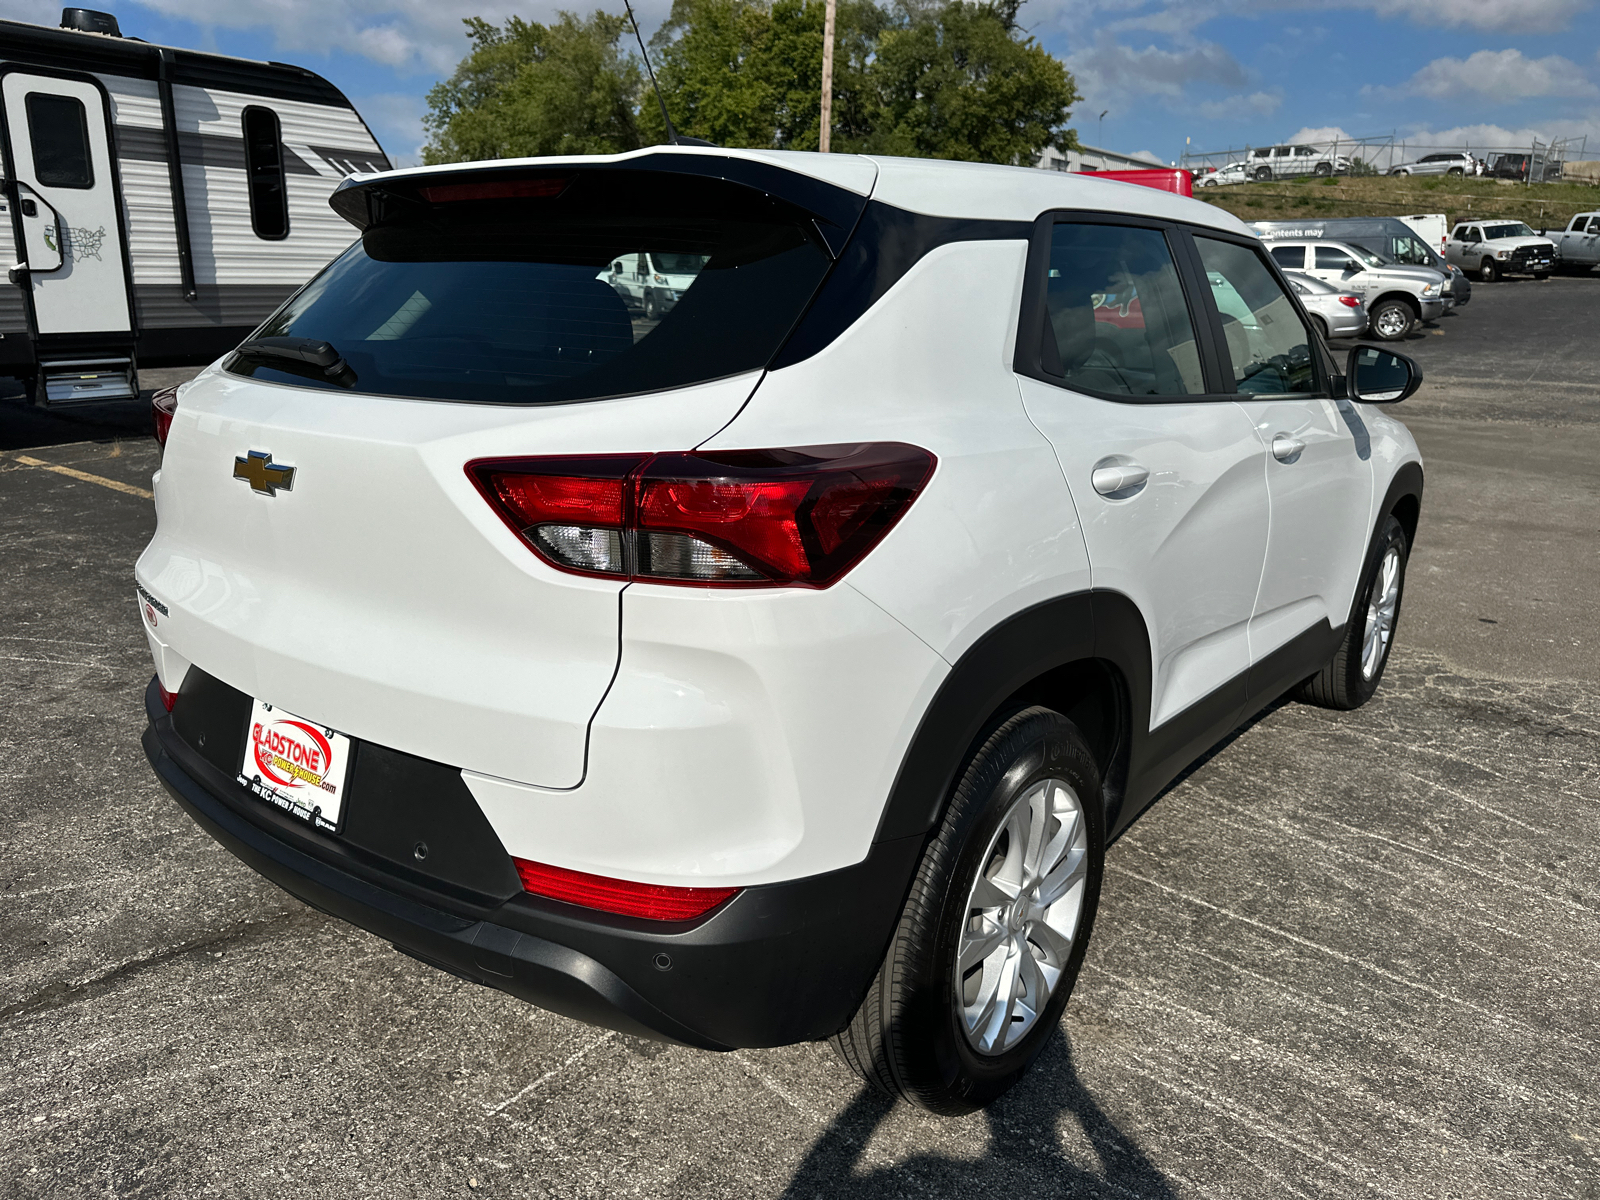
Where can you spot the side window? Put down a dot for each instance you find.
(1331, 258)
(1118, 322)
(1269, 349)
(1473, 235)
(58, 131)
(263, 165)
(1594, 224)
(1290, 258)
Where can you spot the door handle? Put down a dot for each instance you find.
(1285, 448)
(1121, 477)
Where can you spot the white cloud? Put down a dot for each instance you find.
(407, 35)
(1112, 73)
(1500, 75)
(1501, 16)
(1232, 108)
(396, 120)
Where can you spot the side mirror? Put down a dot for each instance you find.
(1374, 376)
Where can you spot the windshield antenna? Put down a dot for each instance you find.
(672, 134)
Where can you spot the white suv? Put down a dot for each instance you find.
(781, 669)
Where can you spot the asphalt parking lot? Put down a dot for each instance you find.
(1347, 955)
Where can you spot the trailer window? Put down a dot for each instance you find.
(58, 131)
(263, 166)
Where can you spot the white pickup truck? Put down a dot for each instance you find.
(1578, 246)
(1497, 248)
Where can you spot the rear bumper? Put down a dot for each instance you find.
(777, 964)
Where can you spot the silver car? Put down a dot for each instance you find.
(1338, 313)
(1439, 164)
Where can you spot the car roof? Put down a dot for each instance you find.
(933, 187)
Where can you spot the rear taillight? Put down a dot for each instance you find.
(1350, 301)
(162, 405)
(740, 518)
(168, 699)
(653, 901)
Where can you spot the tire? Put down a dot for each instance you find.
(910, 1038)
(1487, 271)
(1323, 169)
(1456, 171)
(1390, 320)
(1399, 171)
(1352, 676)
(1263, 174)
(1321, 325)
(651, 311)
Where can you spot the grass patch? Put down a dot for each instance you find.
(1543, 206)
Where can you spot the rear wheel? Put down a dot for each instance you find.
(1263, 174)
(1390, 320)
(1487, 271)
(994, 931)
(1321, 325)
(1353, 674)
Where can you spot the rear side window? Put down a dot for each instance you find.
(1118, 322)
(263, 165)
(1269, 350)
(58, 131)
(537, 291)
(1331, 258)
(1290, 258)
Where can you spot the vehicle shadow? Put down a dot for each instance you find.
(1024, 1148)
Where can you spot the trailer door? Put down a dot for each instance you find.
(68, 213)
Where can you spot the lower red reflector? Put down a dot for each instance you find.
(168, 699)
(653, 901)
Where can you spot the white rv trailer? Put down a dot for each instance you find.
(163, 202)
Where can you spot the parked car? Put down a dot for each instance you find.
(781, 670)
(1578, 246)
(1492, 249)
(1234, 172)
(1397, 297)
(1286, 162)
(1439, 164)
(1337, 313)
(1409, 241)
(1517, 166)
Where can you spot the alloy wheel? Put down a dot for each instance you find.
(1022, 916)
(1381, 610)
(1392, 322)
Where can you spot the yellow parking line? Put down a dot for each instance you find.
(72, 473)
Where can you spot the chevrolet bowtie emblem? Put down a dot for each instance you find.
(262, 474)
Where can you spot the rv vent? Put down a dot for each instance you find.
(87, 20)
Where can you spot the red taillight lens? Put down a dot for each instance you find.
(1350, 301)
(734, 518)
(497, 189)
(162, 405)
(653, 901)
(168, 699)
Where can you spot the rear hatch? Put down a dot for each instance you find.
(374, 590)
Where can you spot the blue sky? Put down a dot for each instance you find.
(1221, 73)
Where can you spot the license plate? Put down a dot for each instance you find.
(296, 764)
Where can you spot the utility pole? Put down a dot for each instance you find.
(825, 138)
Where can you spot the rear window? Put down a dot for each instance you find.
(554, 289)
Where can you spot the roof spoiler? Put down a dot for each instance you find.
(370, 200)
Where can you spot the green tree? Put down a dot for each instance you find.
(748, 73)
(963, 81)
(527, 89)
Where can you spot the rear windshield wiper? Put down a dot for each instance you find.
(305, 356)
